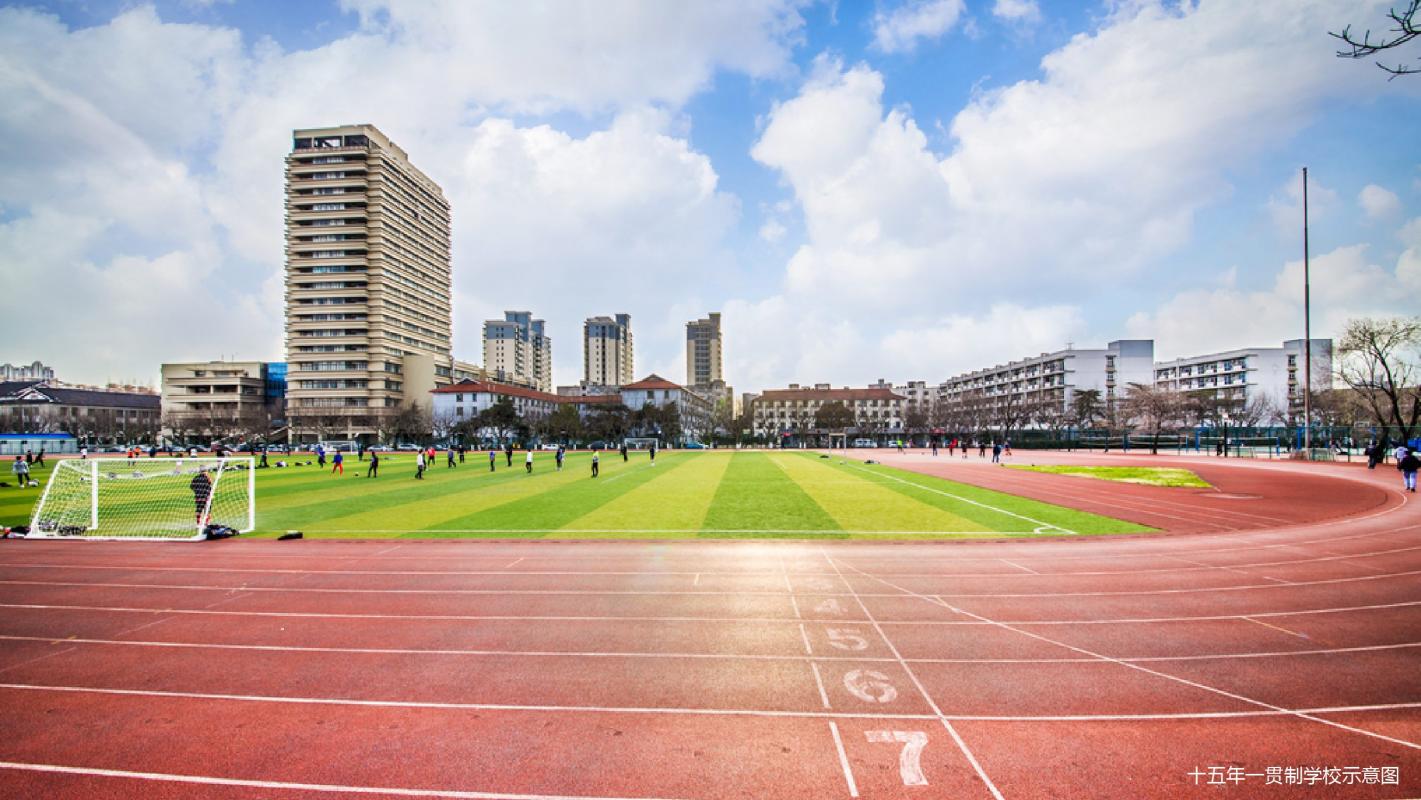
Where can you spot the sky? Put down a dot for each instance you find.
(898, 190)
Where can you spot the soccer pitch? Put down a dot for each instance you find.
(686, 494)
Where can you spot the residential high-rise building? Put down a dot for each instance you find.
(368, 282)
(607, 351)
(704, 357)
(517, 350)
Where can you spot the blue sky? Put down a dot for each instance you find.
(897, 190)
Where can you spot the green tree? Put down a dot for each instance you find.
(834, 416)
(502, 417)
(564, 424)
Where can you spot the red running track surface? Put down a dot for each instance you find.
(1280, 633)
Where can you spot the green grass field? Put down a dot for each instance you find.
(686, 494)
(1150, 476)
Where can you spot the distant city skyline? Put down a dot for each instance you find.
(907, 189)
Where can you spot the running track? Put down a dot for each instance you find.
(1069, 667)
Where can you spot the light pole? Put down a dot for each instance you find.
(1307, 330)
(1225, 417)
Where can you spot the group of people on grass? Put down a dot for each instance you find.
(425, 458)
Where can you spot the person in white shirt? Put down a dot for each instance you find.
(528, 462)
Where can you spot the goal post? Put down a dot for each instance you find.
(146, 498)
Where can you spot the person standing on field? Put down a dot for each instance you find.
(451, 459)
(374, 470)
(1408, 464)
(201, 487)
(595, 459)
(652, 450)
(562, 453)
(508, 453)
(528, 462)
(21, 470)
(624, 451)
(338, 463)
(419, 463)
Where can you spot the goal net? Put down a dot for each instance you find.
(146, 498)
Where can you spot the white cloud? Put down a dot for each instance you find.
(582, 54)
(1017, 10)
(773, 231)
(900, 29)
(157, 149)
(1378, 202)
(1345, 284)
(1285, 206)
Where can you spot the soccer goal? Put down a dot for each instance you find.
(640, 442)
(146, 498)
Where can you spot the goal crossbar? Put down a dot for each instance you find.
(146, 498)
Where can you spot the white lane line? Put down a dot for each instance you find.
(795, 604)
(819, 681)
(961, 745)
(514, 563)
(697, 581)
(742, 593)
(843, 760)
(209, 780)
(987, 506)
(1147, 670)
(1018, 566)
(710, 712)
(805, 636)
(387, 550)
(760, 620)
(1198, 566)
(708, 656)
(1276, 628)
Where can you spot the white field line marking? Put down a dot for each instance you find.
(1237, 570)
(1198, 567)
(1147, 670)
(757, 620)
(1018, 566)
(722, 656)
(843, 760)
(742, 593)
(795, 604)
(712, 712)
(805, 636)
(961, 745)
(987, 506)
(819, 682)
(1276, 628)
(515, 563)
(209, 780)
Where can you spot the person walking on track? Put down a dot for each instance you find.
(1408, 465)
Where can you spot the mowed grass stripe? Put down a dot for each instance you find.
(858, 504)
(381, 496)
(674, 500)
(928, 489)
(755, 495)
(563, 502)
(468, 495)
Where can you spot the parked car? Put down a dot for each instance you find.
(863, 443)
(548, 446)
(694, 446)
(408, 448)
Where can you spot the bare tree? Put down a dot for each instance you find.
(1404, 29)
(442, 423)
(1153, 409)
(1381, 361)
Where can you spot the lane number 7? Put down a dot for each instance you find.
(910, 759)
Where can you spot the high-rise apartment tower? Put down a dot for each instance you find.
(368, 282)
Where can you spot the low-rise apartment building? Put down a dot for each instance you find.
(1271, 376)
(790, 413)
(1052, 379)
